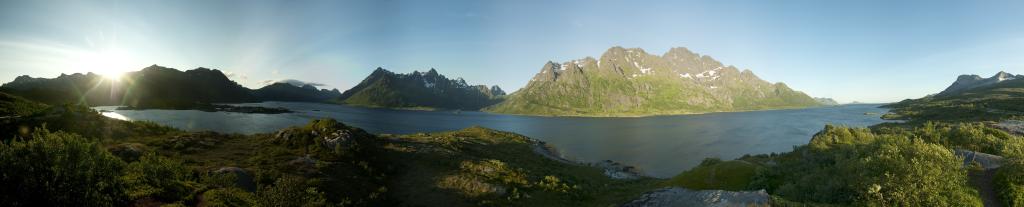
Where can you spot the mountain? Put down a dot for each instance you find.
(631, 82)
(967, 82)
(152, 87)
(826, 101)
(969, 98)
(383, 88)
(288, 92)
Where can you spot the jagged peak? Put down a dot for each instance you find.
(380, 71)
(619, 50)
(679, 50)
(968, 77)
(1003, 75)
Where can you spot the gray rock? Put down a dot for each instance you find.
(1011, 126)
(987, 161)
(128, 151)
(675, 196)
(337, 137)
(617, 170)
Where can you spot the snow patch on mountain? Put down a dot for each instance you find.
(428, 84)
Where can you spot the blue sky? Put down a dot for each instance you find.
(869, 51)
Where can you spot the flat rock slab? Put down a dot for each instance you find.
(1011, 126)
(987, 161)
(675, 196)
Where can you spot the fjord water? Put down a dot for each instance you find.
(661, 145)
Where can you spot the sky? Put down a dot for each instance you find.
(866, 51)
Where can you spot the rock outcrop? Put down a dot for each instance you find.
(682, 197)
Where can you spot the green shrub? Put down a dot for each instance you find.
(228, 197)
(59, 169)
(161, 178)
(1009, 180)
(854, 166)
(290, 191)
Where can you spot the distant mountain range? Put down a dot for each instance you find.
(968, 82)
(383, 88)
(156, 87)
(622, 82)
(969, 98)
(826, 101)
(631, 82)
(289, 92)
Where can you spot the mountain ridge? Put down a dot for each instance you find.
(154, 87)
(632, 82)
(968, 82)
(383, 88)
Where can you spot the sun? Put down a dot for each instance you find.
(111, 64)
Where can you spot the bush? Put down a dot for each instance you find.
(854, 166)
(1009, 180)
(161, 178)
(290, 191)
(228, 197)
(59, 169)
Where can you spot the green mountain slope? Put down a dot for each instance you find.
(990, 102)
(384, 88)
(631, 82)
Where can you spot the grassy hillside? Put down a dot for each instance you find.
(990, 103)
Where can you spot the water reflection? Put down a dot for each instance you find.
(114, 115)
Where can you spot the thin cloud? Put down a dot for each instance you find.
(294, 82)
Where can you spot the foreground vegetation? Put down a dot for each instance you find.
(70, 155)
(64, 155)
(910, 163)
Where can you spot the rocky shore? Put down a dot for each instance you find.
(675, 196)
(611, 168)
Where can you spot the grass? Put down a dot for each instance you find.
(734, 175)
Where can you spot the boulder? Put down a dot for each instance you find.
(129, 152)
(619, 171)
(675, 196)
(242, 178)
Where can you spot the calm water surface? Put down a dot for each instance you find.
(663, 145)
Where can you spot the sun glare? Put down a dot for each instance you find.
(110, 64)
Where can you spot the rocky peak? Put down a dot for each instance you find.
(431, 73)
(676, 52)
(1003, 76)
(968, 78)
(967, 82)
(309, 87)
(495, 90)
(549, 72)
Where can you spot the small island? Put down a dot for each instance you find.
(217, 107)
